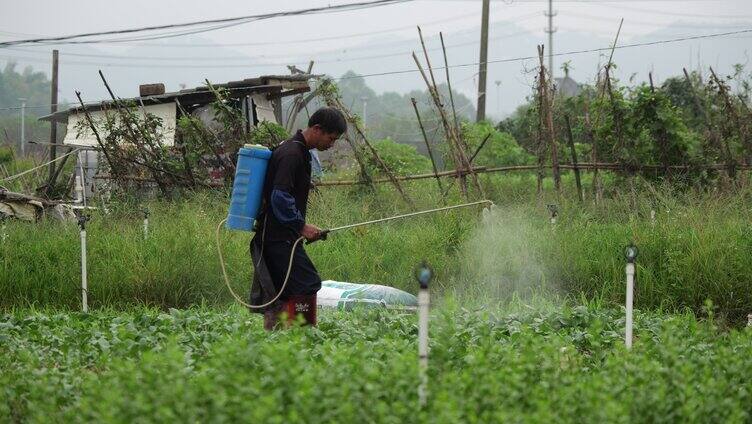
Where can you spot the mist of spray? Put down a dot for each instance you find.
(502, 260)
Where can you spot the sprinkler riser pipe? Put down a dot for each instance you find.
(78, 191)
(629, 303)
(146, 228)
(84, 282)
(423, 311)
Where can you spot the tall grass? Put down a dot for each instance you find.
(698, 248)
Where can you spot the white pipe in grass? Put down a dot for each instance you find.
(84, 276)
(553, 211)
(630, 300)
(146, 223)
(423, 275)
(3, 230)
(630, 254)
(78, 198)
(423, 308)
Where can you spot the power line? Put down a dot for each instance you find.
(248, 65)
(233, 20)
(656, 24)
(600, 49)
(298, 41)
(195, 58)
(688, 15)
(262, 57)
(262, 65)
(509, 2)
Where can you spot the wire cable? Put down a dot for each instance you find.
(13, 177)
(258, 17)
(574, 52)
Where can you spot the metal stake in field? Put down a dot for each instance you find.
(84, 283)
(3, 229)
(631, 255)
(23, 126)
(146, 222)
(553, 211)
(423, 274)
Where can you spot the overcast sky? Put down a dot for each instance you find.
(345, 36)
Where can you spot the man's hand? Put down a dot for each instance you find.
(310, 232)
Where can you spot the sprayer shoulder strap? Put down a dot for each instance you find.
(262, 286)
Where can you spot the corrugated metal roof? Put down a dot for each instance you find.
(268, 84)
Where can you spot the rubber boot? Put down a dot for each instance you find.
(303, 305)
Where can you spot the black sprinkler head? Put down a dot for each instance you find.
(553, 210)
(424, 274)
(83, 218)
(631, 252)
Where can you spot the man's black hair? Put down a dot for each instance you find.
(330, 120)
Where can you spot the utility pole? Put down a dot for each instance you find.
(498, 98)
(23, 127)
(550, 30)
(365, 101)
(53, 109)
(482, 66)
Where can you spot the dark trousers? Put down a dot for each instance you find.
(304, 280)
(299, 296)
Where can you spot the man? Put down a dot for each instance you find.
(283, 220)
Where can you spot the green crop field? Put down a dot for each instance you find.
(527, 322)
(207, 365)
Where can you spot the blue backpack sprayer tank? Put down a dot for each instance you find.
(248, 186)
(247, 192)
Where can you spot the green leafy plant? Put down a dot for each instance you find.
(401, 159)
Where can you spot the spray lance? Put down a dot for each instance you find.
(246, 201)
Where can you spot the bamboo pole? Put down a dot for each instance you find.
(428, 147)
(549, 116)
(452, 133)
(576, 168)
(453, 148)
(449, 83)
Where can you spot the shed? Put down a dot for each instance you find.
(259, 98)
